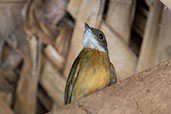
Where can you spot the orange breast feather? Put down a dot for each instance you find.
(94, 74)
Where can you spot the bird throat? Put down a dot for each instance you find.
(90, 41)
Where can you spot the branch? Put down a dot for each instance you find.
(144, 93)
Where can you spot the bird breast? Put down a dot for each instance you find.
(94, 73)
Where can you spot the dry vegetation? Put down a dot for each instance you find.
(39, 40)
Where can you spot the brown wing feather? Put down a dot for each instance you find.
(71, 81)
(113, 77)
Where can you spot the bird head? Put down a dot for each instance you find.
(95, 39)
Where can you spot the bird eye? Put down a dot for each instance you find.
(100, 36)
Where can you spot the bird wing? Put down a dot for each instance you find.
(71, 80)
(113, 77)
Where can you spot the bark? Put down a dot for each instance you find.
(148, 92)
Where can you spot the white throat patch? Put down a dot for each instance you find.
(89, 41)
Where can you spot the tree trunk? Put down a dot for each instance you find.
(148, 92)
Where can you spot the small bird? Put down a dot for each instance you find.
(92, 69)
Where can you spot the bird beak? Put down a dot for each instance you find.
(87, 27)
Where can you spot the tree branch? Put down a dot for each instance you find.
(144, 93)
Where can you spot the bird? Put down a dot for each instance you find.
(92, 69)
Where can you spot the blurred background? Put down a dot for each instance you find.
(39, 40)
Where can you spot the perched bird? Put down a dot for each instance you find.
(92, 69)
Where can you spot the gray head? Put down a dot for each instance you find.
(95, 39)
